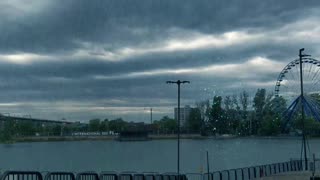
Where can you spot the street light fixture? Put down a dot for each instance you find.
(178, 158)
(150, 114)
(301, 56)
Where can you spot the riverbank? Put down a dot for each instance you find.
(100, 138)
(150, 137)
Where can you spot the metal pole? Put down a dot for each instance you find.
(302, 110)
(151, 115)
(314, 165)
(178, 129)
(178, 163)
(208, 169)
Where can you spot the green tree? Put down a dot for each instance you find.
(259, 102)
(270, 125)
(217, 121)
(26, 129)
(204, 108)
(272, 115)
(104, 125)
(169, 125)
(194, 122)
(244, 101)
(229, 113)
(8, 130)
(117, 125)
(94, 125)
(165, 125)
(56, 130)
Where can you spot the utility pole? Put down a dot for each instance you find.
(208, 168)
(178, 153)
(302, 109)
(151, 115)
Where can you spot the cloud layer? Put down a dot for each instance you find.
(97, 59)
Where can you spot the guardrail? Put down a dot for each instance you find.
(248, 173)
(60, 175)
(21, 175)
(232, 174)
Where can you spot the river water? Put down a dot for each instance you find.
(149, 156)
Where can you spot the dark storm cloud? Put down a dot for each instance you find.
(72, 82)
(71, 68)
(90, 55)
(120, 23)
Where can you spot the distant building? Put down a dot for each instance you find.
(184, 114)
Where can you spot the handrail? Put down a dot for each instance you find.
(59, 176)
(252, 172)
(87, 176)
(20, 175)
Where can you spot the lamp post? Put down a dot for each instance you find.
(178, 153)
(150, 114)
(302, 109)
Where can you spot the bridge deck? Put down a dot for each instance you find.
(4, 118)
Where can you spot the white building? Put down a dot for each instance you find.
(184, 114)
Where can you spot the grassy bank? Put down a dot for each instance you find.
(62, 138)
(99, 138)
(151, 137)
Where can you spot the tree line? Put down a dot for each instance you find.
(243, 115)
(237, 114)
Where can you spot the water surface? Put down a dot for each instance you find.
(146, 156)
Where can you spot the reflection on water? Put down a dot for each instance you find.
(157, 155)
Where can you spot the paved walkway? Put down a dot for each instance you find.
(303, 175)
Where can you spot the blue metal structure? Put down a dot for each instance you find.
(288, 87)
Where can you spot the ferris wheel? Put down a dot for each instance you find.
(288, 87)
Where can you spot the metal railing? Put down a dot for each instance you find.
(108, 176)
(232, 174)
(60, 175)
(86, 176)
(21, 175)
(248, 173)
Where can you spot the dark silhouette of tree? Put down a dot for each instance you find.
(117, 125)
(194, 122)
(94, 125)
(259, 102)
(104, 125)
(217, 116)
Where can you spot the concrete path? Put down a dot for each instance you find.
(302, 175)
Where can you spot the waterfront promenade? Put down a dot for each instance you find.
(302, 175)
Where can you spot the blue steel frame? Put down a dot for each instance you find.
(311, 108)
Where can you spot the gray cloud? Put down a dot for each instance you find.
(62, 24)
(108, 58)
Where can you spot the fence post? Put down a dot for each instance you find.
(270, 170)
(314, 165)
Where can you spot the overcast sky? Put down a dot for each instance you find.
(80, 59)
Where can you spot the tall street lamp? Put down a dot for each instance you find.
(178, 83)
(302, 108)
(150, 114)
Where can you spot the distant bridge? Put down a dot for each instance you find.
(5, 118)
